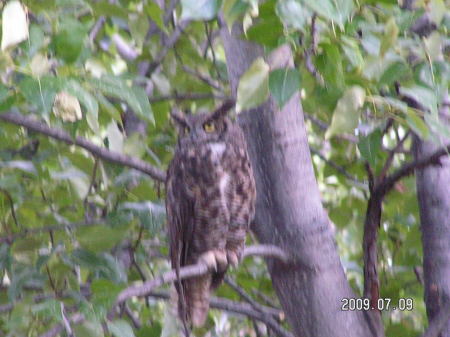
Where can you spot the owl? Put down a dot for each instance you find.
(210, 203)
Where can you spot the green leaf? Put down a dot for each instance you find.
(232, 9)
(135, 97)
(390, 36)
(266, 32)
(40, 92)
(78, 179)
(156, 14)
(37, 39)
(103, 265)
(397, 71)
(338, 11)
(253, 88)
(120, 328)
(426, 97)
(417, 124)
(86, 259)
(329, 64)
(283, 83)
(150, 331)
(370, 145)
(69, 40)
(14, 24)
(106, 8)
(351, 50)
(6, 97)
(293, 13)
(104, 293)
(89, 329)
(437, 10)
(5, 257)
(347, 111)
(100, 238)
(199, 9)
(115, 138)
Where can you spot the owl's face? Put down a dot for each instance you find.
(203, 127)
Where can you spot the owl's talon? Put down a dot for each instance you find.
(209, 260)
(215, 260)
(221, 260)
(232, 258)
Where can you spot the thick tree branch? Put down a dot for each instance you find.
(438, 323)
(101, 152)
(408, 168)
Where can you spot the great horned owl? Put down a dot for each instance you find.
(210, 203)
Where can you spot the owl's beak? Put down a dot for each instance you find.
(193, 134)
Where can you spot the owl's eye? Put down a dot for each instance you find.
(209, 127)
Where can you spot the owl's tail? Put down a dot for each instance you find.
(197, 292)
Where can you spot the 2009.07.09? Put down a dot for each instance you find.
(352, 304)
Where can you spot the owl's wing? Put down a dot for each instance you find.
(180, 213)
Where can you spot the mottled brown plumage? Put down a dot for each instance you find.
(210, 203)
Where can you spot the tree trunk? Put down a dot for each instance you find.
(289, 210)
(433, 192)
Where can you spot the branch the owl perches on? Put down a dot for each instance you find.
(194, 270)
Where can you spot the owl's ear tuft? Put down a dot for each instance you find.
(179, 119)
(222, 110)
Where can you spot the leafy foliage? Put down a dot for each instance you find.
(76, 230)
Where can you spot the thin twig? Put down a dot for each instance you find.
(205, 79)
(133, 318)
(66, 321)
(209, 39)
(91, 184)
(338, 168)
(238, 308)
(11, 205)
(324, 126)
(51, 228)
(187, 97)
(311, 51)
(101, 152)
(126, 51)
(390, 158)
(276, 313)
(267, 300)
(76, 318)
(169, 11)
(96, 28)
(168, 45)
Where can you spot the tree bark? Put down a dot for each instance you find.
(289, 210)
(433, 192)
